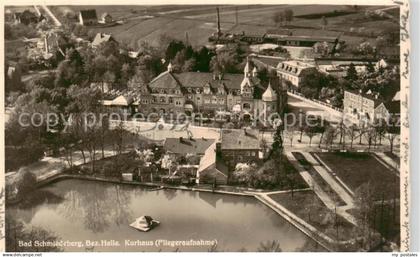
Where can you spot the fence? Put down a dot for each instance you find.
(315, 101)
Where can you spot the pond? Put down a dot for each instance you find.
(95, 211)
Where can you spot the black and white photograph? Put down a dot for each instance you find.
(206, 127)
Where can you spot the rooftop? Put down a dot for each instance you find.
(187, 145)
(88, 14)
(294, 67)
(198, 80)
(101, 38)
(240, 139)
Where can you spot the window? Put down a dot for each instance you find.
(162, 99)
(171, 100)
(246, 106)
(198, 98)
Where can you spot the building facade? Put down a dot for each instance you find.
(368, 106)
(294, 71)
(207, 92)
(88, 17)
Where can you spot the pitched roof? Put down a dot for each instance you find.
(105, 14)
(101, 38)
(187, 145)
(269, 94)
(397, 97)
(240, 139)
(165, 80)
(210, 158)
(294, 67)
(267, 61)
(122, 101)
(199, 80)
(88, 14)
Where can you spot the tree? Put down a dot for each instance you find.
(71, 70)
(321, 48)
(352, 133)
(370, 67)
(25, 182)
(330, 135)
(311, 131)
(269, 246)
(288, 15)
(174, 47)
(16, 231)
(370, 135)
(351, 73)
(392, 132)
(289, 133)
(277, 146)
(324, 22)
(278, 18)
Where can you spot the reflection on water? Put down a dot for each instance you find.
(102, 211)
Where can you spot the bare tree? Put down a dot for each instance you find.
(288, 15)
(352, 132)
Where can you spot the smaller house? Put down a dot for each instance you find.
(239, 146)
(106, 18)
(120, 104)
(88, 17)
(101, 38)
(184, 146)
(368, 106)
(212, 169)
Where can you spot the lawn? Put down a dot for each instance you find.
(318, 179)
(355, 169)
(307, 206)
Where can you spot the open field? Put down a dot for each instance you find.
(148, 23)
(356, 169)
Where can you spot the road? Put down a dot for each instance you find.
(51, 15)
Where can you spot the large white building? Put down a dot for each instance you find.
(294, 71)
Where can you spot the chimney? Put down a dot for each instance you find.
(219, 31)
(214, 76)
(245, 132)
(220, 76)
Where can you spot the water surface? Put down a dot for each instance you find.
(98, 211)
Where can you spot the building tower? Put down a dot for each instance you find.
(254, 72)
(219, 31)
(170, 68)
(247, 69)
(269, 99)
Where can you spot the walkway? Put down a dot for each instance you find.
(390, 163)
(50, 166)
(319, 191)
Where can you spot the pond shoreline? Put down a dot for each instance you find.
(314, 234)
